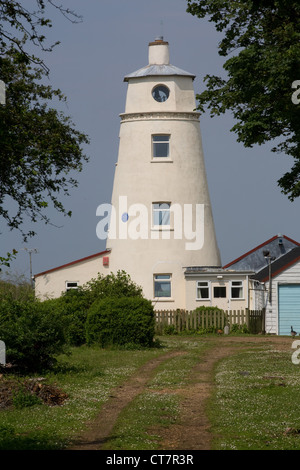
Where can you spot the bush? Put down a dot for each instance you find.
(237, 328)
(73, 305)
(16, 289)
(121, 321)
(112, 285)
(210, 326)
(73, 308)
(33, 334)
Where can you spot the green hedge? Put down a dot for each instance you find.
(121, 321)
(33, 333)
(72, 307)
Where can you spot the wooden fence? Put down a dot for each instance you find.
(183, 320)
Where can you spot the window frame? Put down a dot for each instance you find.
(159, 210)
(164, 88)
(240, 286)
(71, 287)
(220, 296)
(157, 158)
(165, 278)
(208, 287)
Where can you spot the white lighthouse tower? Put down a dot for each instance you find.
(161, 218)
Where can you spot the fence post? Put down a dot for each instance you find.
(263, 321)
(247, 319)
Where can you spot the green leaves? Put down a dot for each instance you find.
(5, 260)
(262, 42)
(41, 151)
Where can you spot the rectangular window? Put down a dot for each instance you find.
(203, 290)
(71, 285)
(160, 146)
(162, 285)
(220, 291)
(237, 291)
(161, 214)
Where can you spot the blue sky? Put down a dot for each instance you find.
(89, 66)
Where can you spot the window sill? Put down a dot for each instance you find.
(162, 229)
(163, 299)
(161, 160)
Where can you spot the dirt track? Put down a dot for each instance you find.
(193, 432)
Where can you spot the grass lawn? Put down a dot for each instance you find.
(87, 376)
(255, 404)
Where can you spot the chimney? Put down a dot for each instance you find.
(159, 52)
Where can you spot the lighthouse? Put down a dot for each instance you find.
(161, 218)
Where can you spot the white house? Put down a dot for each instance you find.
(225, 289)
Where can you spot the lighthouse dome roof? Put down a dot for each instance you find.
(156, 70)
(159, 63)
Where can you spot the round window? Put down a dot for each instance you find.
(160, 93)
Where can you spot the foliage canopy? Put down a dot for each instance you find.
(41, 151)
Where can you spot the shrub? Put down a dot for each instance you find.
(112, 285)
(73, 308)
(33, 333)
(73, 305)
(170, 330)
(209, 325)
(121, 321)
(16, 289)
(237, 328)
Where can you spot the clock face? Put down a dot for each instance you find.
(160, 93)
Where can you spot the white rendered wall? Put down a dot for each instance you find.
(52, 283)
(180, 179)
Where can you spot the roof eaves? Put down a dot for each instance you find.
(158, 70)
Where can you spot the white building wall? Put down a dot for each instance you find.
(257, 295)
(141, 180)
(224, 303)
(52, 283)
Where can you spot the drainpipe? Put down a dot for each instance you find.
(270, 259)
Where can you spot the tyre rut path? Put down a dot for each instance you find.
(99, 430)
(192, 429)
